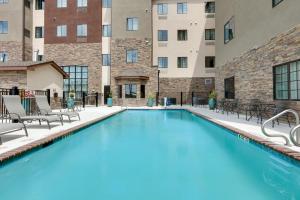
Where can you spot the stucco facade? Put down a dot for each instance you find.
(264, 37)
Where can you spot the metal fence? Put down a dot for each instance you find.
(182, 98)
(27, 99)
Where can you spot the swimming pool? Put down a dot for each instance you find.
(151, 155)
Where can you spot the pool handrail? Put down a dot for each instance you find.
(287, 141)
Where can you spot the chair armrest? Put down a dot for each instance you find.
(16, 115)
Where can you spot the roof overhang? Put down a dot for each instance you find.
(144, 78)
(22, 67)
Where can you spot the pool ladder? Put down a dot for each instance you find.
(294, 132)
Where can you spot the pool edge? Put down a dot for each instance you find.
(269, 144)
(20, 151)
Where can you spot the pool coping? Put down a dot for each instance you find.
(20, 151)
(266, 143)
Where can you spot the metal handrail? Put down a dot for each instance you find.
(287, 141)
(292, 135)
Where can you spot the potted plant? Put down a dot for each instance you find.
(70, 100)
(110, 100)
(212, 100)
(150, 100)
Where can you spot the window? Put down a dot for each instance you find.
(106, 60)
(78, 81)
(162, 62)
(229, 88)
(3, 56)
(143, 91)
(106, 30)
(208, 81)
(162, 35)
(3, 1)
(39, 4)
(209, 61)
(3, 27)
(209, 34)
(61, 31)
(27, 3)
(82, 30)
(276, 2)
(132, 56)
(130, 91)
(27, 33)
(210, 7)
(229, 30)
(81, 3)
(287, 81)
(120, 91)
(182, 35)
(61, 3)
(132, 24)
(106, 3)
(182, 62)
(39, 32)
(181, 8)
(39, 58)
(162, 9)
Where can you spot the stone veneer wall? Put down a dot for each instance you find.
(253, 70)
(14, 50)
(9, 79)
(172, 87)
(87, 54)
(144, 65)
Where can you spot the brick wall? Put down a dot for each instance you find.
(14, 50)
(253, 70)
(144, 65)
(86, 54)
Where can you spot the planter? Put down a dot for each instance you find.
(150, 102)
(70, 103)
(109, 102)
(212, 104)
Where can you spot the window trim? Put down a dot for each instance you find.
(162, 31)
(187, 62)
(137, 54)
(232, 18)
(86, 30)
(288, 80)
(166, 11)
(163, 57)
(185, 31)
(133, 19)
(214, 34)
(182, 13)
(62, 25)
(7, 26)
(274, 4)
(60, 5)
(136, 90)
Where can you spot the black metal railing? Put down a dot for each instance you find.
(182, 98)
(27, 99)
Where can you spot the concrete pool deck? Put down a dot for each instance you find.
(16, 143)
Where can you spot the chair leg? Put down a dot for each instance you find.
(61, 120)
(40, 122)
(69, 118)
(25, 129)
(48, 125)
(79, 117)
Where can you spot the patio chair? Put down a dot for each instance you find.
(6, 128)
(45, 108)
(17, 112)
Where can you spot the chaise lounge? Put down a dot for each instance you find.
(8, 128)
(17, 112)
(45, 108)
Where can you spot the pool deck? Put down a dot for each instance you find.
(16, 143)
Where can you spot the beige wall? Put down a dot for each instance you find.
(256, 22)
(37, 43)
(122, 9)
(45, 77)
(13, 13)
(195, 48)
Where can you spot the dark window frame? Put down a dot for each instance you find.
(39, 4)
(274, 3)
(180, 61)
(288, 64)
(233, 32)
(182, 35)
(210, 9)
(82, 74)
(120, 91)
(39, 34)
(131, 94)
(227, 93)
(132, 60)
(143, 91)
(211, 32)
(209, 61)
(162, 37)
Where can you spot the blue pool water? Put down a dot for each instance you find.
(151, 155)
